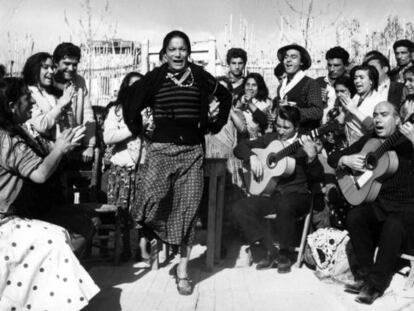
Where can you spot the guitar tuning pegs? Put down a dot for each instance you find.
(333, 113)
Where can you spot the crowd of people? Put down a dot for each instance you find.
(155, 138)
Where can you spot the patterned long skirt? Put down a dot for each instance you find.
(121, 187)
(170, 191)
(38, 270)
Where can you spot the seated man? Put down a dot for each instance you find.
(291, 197)
(385, 223)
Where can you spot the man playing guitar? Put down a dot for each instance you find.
(291, 197)
(387, 222)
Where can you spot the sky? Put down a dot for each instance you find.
(43, 21)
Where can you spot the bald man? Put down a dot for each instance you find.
(387, 222)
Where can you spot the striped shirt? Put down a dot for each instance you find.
(181, 104)
(177, 113)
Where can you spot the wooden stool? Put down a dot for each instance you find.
(215, 169)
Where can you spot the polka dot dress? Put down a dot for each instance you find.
(38, 270)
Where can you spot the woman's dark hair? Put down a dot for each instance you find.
(122, 88)
(128, 77)
(372, 74)
(66, 49)
(31, 69)
(12, 91)
(290, 113)
(375, 55)
(279, 70)
(262, 90)
(347, 82)
(171, 35)
(410, 70)
(236, 53)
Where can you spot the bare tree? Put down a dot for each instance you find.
(307, 20)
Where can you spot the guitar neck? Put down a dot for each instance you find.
(292, 148)
(387, 144)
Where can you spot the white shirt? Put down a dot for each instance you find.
(115, 129)
(331, 98)
(383, 89)
(354, 129)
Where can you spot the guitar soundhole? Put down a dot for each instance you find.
(271, 161)
(371, 161)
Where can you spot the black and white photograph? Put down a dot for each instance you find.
(193, 155)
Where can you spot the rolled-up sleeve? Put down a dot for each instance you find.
(17, 157)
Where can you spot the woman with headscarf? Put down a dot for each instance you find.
(179, 93)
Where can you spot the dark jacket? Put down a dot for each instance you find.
(308, 98)
(141, 95)
(396, 94)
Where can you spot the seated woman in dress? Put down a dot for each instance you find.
(39, 271)
(359, 109)
(255, 104)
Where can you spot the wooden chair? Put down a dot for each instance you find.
(93, 176)
(91, 192)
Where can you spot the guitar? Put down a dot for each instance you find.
(380, 163)
(277, 163)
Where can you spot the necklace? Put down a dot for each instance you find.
(180, 83)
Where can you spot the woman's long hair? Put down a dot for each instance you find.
(12, 91)
(262, 90)
(31, 69)
(122, 88)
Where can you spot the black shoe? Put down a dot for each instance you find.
(268, 262)
(368, 295)
(284, 264)
(354, 288)
(184, 285)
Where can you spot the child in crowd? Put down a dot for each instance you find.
(126, 155)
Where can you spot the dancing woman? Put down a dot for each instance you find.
(179, 93)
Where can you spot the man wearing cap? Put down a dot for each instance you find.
(388, 90)
(402, 51)
(337, 59)
(299, 90)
